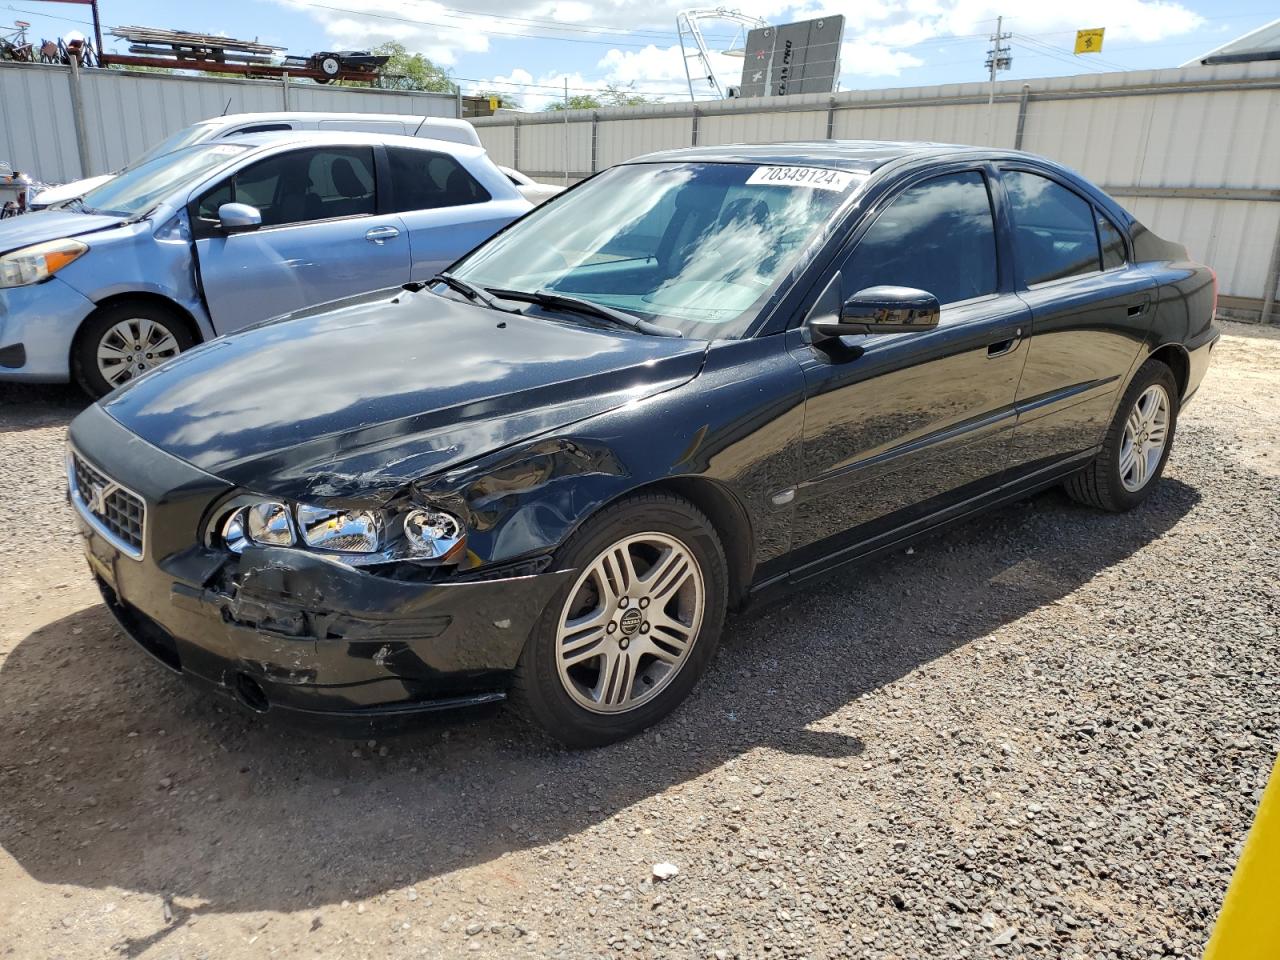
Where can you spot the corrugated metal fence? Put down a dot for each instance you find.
(126, 112)
(1194, 153)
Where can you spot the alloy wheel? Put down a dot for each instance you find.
(630, 622)
(1146, 432)
(132, 347)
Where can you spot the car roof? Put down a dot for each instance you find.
(860, 156)
(347, 137)
(231, 119)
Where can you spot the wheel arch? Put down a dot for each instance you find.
(140, 296)
(1175, 357)
(728, 517)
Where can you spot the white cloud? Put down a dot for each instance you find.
(880, 34)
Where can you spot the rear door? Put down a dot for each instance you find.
(444, 205)
(322, 235)
(901, 427)
(1090, 308)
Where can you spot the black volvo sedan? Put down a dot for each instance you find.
(693, 379)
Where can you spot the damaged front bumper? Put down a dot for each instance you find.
(292, 633)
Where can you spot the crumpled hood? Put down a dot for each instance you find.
(358, 400)
(43, 225)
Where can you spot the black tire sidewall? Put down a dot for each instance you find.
(84, 352)
(541, 691)
(1151, 373)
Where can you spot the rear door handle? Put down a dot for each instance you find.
(381, 234)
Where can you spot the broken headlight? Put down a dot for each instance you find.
(359, 537)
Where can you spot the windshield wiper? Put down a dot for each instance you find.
(560, 301)
(466, 289)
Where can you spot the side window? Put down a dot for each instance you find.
(424, 180)
(259, 128)
(937, 236)
(299, 186)
(1054, 230)
(1112, 244)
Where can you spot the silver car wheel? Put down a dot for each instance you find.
(1145, 434)
(132, 347)
(630, 623)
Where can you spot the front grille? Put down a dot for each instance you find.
(117, 513)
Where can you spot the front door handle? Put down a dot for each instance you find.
(1001, 347)
(1138, 309)
(381, 234)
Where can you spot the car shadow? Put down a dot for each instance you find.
(115, 774)
(24, 406)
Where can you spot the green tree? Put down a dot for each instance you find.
(619, 96)
(579, 101)
(412, 70)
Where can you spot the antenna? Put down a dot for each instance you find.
(226, 108)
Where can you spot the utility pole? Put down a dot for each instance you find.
(998, 58)
(566, 131)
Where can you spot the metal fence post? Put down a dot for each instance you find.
(457, 93)
(595, 129)
(1273, 280)
(1022, 116)
(831, 117)
(515, 142)
(77, 119)
(284, 90)
(694, 141)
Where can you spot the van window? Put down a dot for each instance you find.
(258, 128)
(425, 180)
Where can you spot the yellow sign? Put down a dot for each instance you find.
(1248, 926)
(493, 104)
(1089, 41)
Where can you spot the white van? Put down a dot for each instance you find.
(216, 128)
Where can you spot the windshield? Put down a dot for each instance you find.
(694, 246)
(183, 138)
(136, 191)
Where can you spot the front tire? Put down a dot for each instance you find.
(622, 643)
(1137, 445)
(121, 342)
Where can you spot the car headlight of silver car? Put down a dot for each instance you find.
(19, 268)
(357, 536)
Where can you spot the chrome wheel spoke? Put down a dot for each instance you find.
(1146, 433)
(630, 622)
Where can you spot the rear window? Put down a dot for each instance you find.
(426, 180)
(1054, 228)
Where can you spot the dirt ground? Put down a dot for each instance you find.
(1040, 734)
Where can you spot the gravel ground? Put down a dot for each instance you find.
(1041, 734)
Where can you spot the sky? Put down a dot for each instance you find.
(531, 47)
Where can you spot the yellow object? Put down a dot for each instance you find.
(493, 104)
(1248, 926)
(1089, 41)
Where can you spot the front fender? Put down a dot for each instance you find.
(736, 425)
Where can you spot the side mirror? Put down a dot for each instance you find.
(238, 217)
(881, 310)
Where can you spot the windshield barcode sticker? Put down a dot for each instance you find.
(814, 177)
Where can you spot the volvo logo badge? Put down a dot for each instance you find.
(97, 498)
(631, 621)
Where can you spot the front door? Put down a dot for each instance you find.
(900, 427)
(321, 236)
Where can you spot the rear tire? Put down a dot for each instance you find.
(625, 639)
(1137, 444)
(121, 342)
